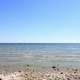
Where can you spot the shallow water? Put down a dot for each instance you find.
(17, 55)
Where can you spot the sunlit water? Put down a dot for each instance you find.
(47, 54)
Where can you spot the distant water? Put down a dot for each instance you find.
(46, 54)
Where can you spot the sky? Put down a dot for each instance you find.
(40, 21)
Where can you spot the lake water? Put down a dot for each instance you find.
(40, 54)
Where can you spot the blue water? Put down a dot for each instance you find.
(46, 54)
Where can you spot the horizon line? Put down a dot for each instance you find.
(38, 43)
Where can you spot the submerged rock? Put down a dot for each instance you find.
(54, 67)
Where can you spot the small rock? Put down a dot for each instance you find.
(54, 67)
(0, 79)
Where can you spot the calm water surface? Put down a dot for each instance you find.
(45, 54)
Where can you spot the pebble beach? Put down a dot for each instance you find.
(50, 74)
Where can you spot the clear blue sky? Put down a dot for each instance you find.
(40, 21)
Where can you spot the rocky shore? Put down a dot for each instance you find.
(50, 74)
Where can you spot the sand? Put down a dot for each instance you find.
(50, 74)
